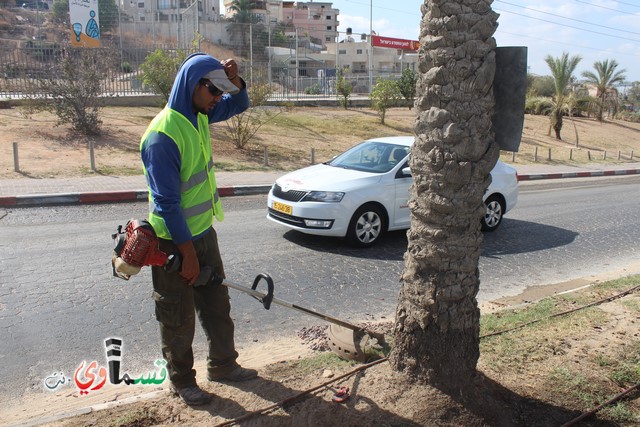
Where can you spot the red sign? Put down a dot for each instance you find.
(395, 43)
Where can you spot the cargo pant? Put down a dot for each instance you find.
(176, 305)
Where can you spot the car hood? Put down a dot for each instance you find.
(326, 178)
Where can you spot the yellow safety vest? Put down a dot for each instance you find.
(200, 200)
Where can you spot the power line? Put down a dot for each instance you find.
(566, 44)
(609, 8)
(570, 19)
(569, 26)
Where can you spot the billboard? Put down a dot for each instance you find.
(85, 27)
(379, 41)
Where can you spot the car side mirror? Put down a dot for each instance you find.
(406, 172)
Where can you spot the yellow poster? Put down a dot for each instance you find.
(85, 27)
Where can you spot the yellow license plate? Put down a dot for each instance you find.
(281, 207)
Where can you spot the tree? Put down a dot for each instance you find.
(437, 318)
(407, 85)
(541, 86)
(107, 13)
(604, 80)
(562, 69)
(159, 71)
(242, 127)
(74, 89)
(343, 88)
(243, 14)
(385, 94)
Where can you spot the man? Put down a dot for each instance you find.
(183, 201)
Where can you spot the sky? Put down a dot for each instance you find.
(594, 29)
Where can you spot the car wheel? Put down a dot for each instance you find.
(367, 225)
(493, 214)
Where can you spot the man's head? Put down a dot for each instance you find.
(198, 84)
(209, 90)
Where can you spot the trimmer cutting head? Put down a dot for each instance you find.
(352, 344)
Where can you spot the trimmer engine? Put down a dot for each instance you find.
(136, 247)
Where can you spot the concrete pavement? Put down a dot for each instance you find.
(24, 192)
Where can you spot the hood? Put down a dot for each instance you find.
(323, 177)
(194, 68)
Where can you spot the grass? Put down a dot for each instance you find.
(570, 373)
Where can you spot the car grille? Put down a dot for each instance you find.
(288, 219)
(291, 196)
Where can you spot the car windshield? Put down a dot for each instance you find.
(371, 156)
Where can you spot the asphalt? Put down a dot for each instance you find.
(24, 192)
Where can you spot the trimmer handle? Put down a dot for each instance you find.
(266, 300)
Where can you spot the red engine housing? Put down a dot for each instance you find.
(141, 245)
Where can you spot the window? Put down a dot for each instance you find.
(358, 51)
(329, 28)
(342, 52)
(140, 5)
(328, 17)
(328, 39)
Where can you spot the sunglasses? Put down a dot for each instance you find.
(213, 90)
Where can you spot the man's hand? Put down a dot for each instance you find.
(190, 265)
(231, 69)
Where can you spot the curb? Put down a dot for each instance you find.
(92, 197)
(532, 177)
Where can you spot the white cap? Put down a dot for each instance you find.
(220, 80)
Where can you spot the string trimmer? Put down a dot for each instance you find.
(137, 246)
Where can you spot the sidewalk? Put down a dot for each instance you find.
(102, 189)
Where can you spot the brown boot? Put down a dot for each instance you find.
(193, 395)
(237, 374)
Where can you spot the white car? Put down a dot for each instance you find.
(364, 192)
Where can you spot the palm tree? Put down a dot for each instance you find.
(605, 79)
(562, 69)
(242, 9)
(437, 318)
(242, 20)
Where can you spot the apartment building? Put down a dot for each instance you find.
(315, 20)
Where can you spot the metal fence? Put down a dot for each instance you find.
(292, 78)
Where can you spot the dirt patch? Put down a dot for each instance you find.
(544, 379)
(289, 139)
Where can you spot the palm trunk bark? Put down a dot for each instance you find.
(437, 319)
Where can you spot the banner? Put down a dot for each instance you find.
(395, 43)
(85, 27)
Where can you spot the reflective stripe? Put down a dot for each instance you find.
(192, 211)
(197, 178)
(198, 209)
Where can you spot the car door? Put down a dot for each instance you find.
(402, 182)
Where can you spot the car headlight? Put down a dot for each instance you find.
(324, 196)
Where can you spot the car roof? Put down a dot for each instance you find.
(397, 140)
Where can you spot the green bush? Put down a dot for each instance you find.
(159, 70)
(312, 90)
(538, 105)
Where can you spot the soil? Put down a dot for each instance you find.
(522, 395)
(46, 150)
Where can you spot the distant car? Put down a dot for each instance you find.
(363, 193)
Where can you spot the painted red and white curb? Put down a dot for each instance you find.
(31, 200)
(582, 174)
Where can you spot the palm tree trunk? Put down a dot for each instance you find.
(437, 318)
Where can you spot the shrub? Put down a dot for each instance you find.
(385, 94)
(538, 106)
(73, 95)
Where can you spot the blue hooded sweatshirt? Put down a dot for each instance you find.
(160, 153)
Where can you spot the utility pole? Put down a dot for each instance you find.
(370, 46)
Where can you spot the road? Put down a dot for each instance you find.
(59, 301)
